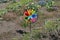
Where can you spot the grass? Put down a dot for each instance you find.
(25, 1)
(52, 25)
(57, 3)
(3, 11)
(13, 7)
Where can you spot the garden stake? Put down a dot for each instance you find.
(30, 31)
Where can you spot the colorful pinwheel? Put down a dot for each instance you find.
(30, 15)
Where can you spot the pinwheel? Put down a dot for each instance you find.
(30, 15)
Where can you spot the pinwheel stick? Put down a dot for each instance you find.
(30, 27)
(30, 32)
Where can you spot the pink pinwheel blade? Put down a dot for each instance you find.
(33, 20)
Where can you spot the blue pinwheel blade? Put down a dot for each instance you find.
(34, 16)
